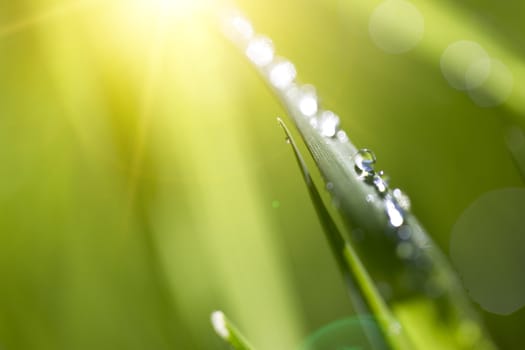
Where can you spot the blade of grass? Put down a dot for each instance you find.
(427, 296)
(363, 293)
(228, 332)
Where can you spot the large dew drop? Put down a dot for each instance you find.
(364, 161)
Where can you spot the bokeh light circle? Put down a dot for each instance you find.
(487, 247)
(456, 61)
(355, 333)
(396, 26)
(489, 82)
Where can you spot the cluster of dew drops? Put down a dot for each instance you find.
(281, 73)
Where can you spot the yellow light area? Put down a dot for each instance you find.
(170, 8)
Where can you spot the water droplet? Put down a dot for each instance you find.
(282, 74)
(314, 123)
(401, 199)
(405, 250)
(370, 198)
(329, 123)
(308, 104)
(381, 181)
(364, 162)
(342, 136)
(395, 216)
(329, 186)
(260, 51)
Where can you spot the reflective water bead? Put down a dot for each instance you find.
(342, 136)
(402, 199)
(282, 74)
(260, 51)
(329, 124)
(381, 181)
(394, 213)
(307, 103)
(364, 161)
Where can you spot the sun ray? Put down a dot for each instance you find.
(146, 110)
(37, 19)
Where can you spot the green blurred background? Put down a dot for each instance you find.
(145, 183)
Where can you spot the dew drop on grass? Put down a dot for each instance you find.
(328, 124)
(395, 215)
(260, 51)
(307, 103)
(401, 199)
(342, 136)
(380, 181)
(364, 161)
(282, 74)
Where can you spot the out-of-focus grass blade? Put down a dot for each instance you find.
(515, 139)
(228, 332)
(364, 294)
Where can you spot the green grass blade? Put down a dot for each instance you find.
(364, 294)
(426, 294)
(228, 332)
